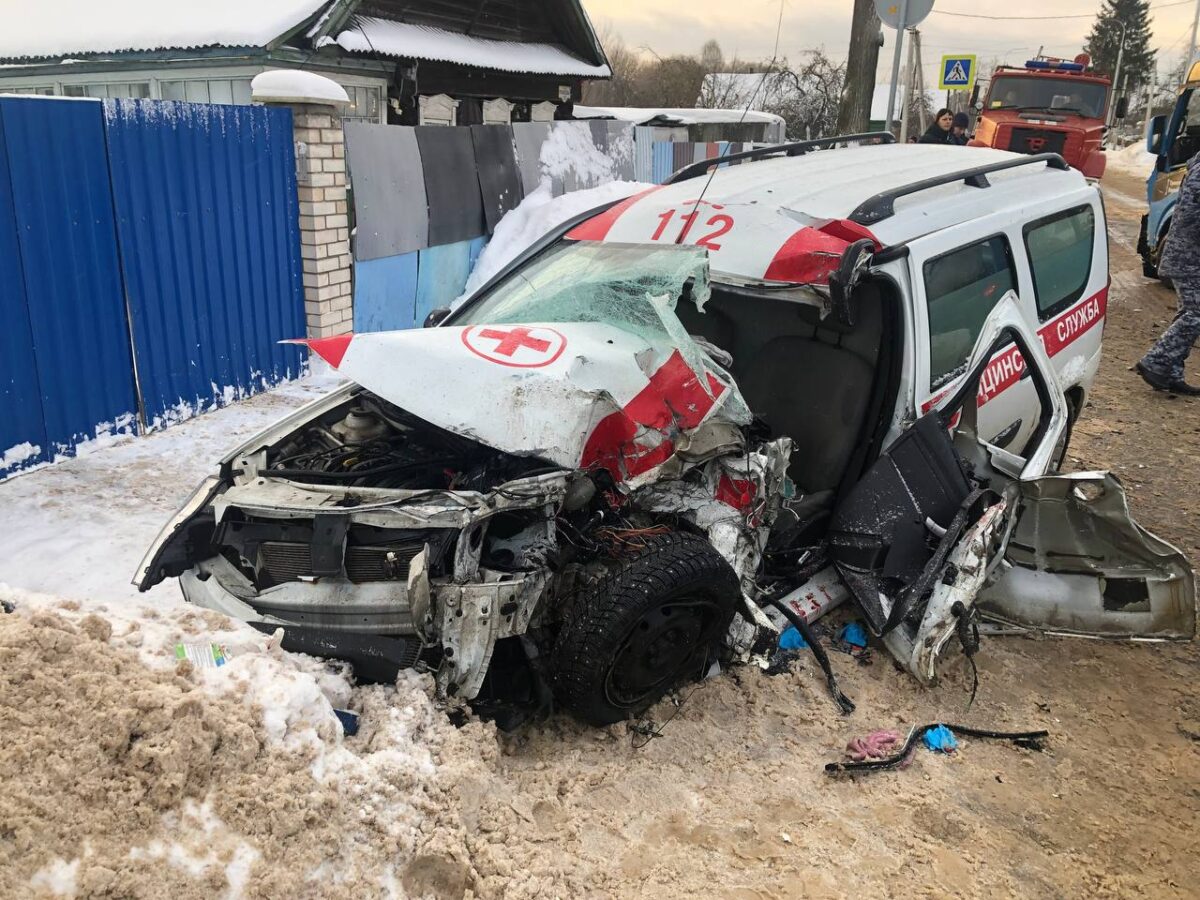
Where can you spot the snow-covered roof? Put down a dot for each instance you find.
(74, 27)
(675, 115)
(402, 39)
(879, 100)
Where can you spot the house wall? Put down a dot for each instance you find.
(199, 84)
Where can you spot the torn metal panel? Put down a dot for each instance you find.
(617, 384)
(471, 619)
(1077, 563)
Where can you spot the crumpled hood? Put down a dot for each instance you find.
(580, 395)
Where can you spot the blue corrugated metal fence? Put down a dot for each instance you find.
(66, 254)
(207, 215)
(150, 263)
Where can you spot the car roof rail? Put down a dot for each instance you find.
(798, 148)
(883, 205)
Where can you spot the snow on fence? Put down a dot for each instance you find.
(427, 199)
(151, 261)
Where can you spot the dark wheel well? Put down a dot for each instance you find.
(652, 621)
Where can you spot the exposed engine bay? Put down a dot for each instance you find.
(579, 508)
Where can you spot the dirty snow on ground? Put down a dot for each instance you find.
(130, 771)
(1132, 159)
(538, 214)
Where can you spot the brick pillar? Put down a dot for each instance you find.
(324, 222)
(321, 183)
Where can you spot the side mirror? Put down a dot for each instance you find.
(436, 317)
(1122, 107)
(975, 98)
(1154, 135)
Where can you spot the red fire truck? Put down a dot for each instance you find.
(1049, 106)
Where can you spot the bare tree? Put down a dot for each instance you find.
(711, 57)
(623, 88)
(854, 114)
(813, 92)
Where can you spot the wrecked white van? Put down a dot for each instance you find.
(810, 376)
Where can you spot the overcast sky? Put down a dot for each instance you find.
(747, 27)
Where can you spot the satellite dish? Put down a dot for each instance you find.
(889, 12)
(1084, 60)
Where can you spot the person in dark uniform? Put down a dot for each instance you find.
(940, 131)
(1162, 367)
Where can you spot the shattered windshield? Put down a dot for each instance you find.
(633, 287)
(628, 286)
(1067, 95)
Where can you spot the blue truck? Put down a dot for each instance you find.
(1174, 139)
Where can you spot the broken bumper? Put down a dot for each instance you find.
(459, 622)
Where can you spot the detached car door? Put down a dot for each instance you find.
(929, 527)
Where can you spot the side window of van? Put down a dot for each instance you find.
(1060, 254)
(961, 289)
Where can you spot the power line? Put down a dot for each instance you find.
(959, 15)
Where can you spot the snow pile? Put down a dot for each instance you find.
(294, 85)
(569, 152)
(1133, 160)
(538, 214)
(127, 779)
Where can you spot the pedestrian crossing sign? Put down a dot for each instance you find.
(958, 73)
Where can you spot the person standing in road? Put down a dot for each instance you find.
(939, 131)
(958, 130)
(1162, 367)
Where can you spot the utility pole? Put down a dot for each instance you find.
(906, 96)
(920, 73)
(1112, 106)
(1192, 45)
(896, 64)
(854, 114)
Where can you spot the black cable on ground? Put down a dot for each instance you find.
(1029, 739)
(844, 703)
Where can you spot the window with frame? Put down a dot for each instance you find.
(1060, 249)
(364, 104)
(962, 287)
(230, 91)
(137, 90)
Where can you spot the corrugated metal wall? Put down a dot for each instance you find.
(66, 254)
(195, 273)
(207, 215)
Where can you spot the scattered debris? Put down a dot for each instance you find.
(1029, 740)
(845, 704)
(854, 634)
(876, 745)
(791, 639)
(349, 721)
(202, 656)
(940, 739)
